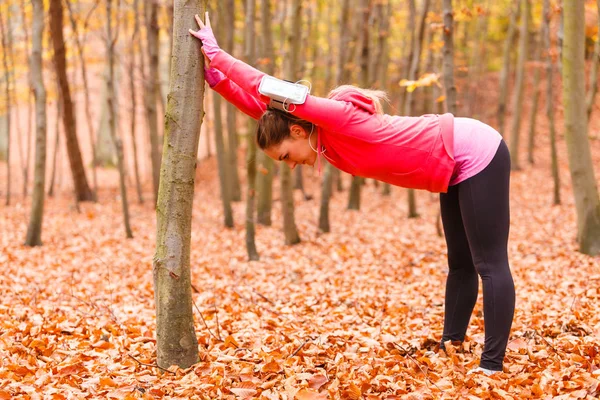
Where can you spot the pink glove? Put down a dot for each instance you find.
(213, 76)
(206, 35)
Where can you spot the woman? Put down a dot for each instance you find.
(464, 160)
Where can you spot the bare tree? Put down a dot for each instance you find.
(591, 95)
(549, 100)
(534, 106)
(585, 189)
(7, 99)
(175, 337)
(504, 73)
(151, 89)
(34, 229)
(519, 85)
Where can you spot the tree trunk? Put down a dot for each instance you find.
(326, 193)
(82, 189)
(175, 336)
(111, 40)
(232, 142)
(133, 93)
(56, 147)
(581, 166)
(519, 86)
(534, 105)
(449, 57)
(265, 178)
(591, 95)
(86, 91)
(151, 89)
(8, 104)
(365, 8)
(27, 158)
(409, 101)
(549, 100)
(34, 229)
(250, 55)
(287, 195)
(504, 73)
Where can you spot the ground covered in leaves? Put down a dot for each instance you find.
(356, 313)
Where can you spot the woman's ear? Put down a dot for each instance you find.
(297, 132)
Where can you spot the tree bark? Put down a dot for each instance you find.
(549, 100)
(86, 90)
(232, 133)
(250, 55)
(585, 189)
(449, 58)
(7, 100)
(264, 182)
(56, 147)
(534, 106)
(176, 339)
(504, 73)
(82, 189)
(519, 86)
(133, 94)
(409, 101)
(27, 158)
(111, 40)
(591, 95)
(151, 89)
(34, 229)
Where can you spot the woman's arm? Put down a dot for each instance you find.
(231, 92)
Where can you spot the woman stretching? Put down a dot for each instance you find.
(464, 160)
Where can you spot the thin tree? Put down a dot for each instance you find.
(27, 158)
(133, 93)
(86, 91)
(7, 100)
(287, 194)
(504, 73)
(250, 55)
(56, 147)
(34, 229)
(111, 40)
(534, 106)
(175, 337)
(151, 89)
(585, 189)
(264, 184)
(409, 101)
(549, 100)
(220, 148)
(519, 86)
(365, 7)
(232, 142)
(82, 189)
(591, 95)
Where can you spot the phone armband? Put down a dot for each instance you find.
(282, 93)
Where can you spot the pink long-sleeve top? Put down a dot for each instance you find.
(412, 152)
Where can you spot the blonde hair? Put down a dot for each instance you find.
(377, 96)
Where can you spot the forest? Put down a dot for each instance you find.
(151, 249)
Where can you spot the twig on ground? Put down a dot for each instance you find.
(217, 321)
(151, 365)
(300, 348)
(263, 297)
(418, 365)
(204, 321)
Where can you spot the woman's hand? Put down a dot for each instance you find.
(209, 43)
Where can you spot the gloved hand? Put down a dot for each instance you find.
(210, 48)
(213, 76)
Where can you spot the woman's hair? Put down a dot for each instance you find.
(274, 125)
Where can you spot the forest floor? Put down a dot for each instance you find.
(355, 313)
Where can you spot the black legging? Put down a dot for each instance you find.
(476, 219)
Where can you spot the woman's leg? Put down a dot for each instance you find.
(462, 283)
(484, 205)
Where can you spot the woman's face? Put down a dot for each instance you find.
(295, 149)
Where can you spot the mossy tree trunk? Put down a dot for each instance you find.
(581, 166)
(34, 230)
(176, 338)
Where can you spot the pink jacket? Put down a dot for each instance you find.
(412, 152)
